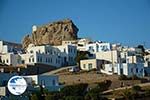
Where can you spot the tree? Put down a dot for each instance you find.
(136, 89)
(74, 98)
(50, 97)
(74, 90)
(103, 86)
(81, 55)
(34, 97)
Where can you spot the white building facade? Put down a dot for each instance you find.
(90, 64)
(51, 55)
(98, 47)
(128, 69)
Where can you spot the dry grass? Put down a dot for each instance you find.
(91, 78)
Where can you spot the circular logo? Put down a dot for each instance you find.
(17, 85)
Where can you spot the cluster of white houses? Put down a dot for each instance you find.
(51, 55)
(115, 59)
(105, 57)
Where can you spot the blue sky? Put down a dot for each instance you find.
(124, 21)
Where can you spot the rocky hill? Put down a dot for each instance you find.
(52, 33)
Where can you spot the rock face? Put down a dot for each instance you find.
(53, 33)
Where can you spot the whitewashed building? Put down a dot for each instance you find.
(90, 64)
(51, 55)
(11, 59)
(98, 47)
(8, 47)
(81, 45)
(68, 54)
(9, 53)
(128, 69)
(70, 42)
(57, 56)
(50, 82)
(45, 54)
(111, 56)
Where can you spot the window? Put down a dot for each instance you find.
(97, 47)
(56, 61)
(31, 51)
(51, 60)
(29, 60)
(32, 59)
(7, 60)
(71, 50)
(23, 61)
(136, 70)
(41, 59)
(90, 66)
(84, 66)
(53, 82)
(46, 60)
(38, 59)
(131, 70)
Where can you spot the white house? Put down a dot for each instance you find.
(57, 56)
(134, 59)
(50, 82)
(44, 54)
(111, 56)
(68, 54)
(11, 59)
(70, 42)
(81, 45)
(90, 64)
(98, 47)
(51, 55)
(8, 47)
(127, 69)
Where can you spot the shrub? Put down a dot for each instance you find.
(94, 96)
(74, 98)
(147, 92)
(104, 85)
(53, 96)
(34, 97)
(136, 88)
(50, 97)
(74, 90)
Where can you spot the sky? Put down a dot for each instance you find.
(124, 21)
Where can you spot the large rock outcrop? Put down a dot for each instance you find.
(52, 34)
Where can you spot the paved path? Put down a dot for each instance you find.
(56, 71)
(128, 87)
